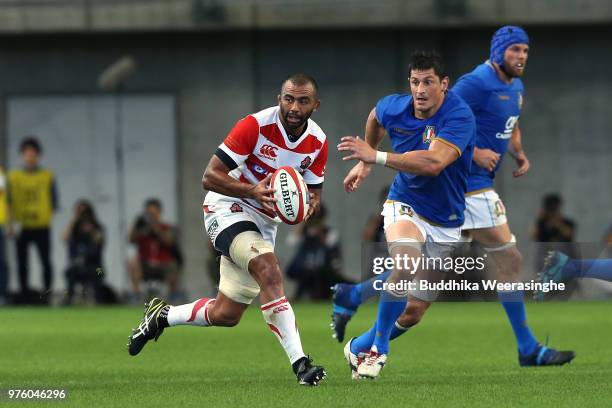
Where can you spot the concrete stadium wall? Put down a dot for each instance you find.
(220, 77)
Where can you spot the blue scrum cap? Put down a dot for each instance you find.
(503, 38)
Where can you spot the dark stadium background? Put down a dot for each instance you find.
(213, 62)
(203, 64)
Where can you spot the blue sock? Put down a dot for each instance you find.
(364, 342)
(389, 309)
(515, 309)
(365, 290)
(396, 332)
(588, 268)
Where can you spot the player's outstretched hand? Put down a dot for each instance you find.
(263, 193)
(523, 165)
(358, 147)
(486, 158)
(357, 174)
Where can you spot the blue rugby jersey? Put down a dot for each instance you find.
(440, 199)
(496, 106)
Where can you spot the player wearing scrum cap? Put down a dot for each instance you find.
(494, 92)
(241, 223)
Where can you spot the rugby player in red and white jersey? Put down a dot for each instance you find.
(240, 221)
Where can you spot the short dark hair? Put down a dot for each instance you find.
(301, 79)
(424, 60)
(153, 201)
(30, 142)
(552, 202)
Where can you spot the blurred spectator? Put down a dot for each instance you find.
(159, 256)
(3, 220)
(608, 236)
(373, 230)
(551, 225)
(373, 235)
(317, 261)
(84, 237)
(554, 228)
(32, 199)
(607, 240)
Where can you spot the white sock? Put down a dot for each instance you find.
(195, 314)
(281, 319)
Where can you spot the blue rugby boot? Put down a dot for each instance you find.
(545, 356)
(343, 309)
(552, 271)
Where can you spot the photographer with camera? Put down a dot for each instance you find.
(159, 257)
(84, 237)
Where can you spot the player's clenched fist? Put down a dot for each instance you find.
(486, 158)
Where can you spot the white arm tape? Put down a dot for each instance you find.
(381, 158)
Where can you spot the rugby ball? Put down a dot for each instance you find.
(291, 193)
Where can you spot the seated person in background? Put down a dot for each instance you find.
(551, 225)
(373, 230)
(552, 230)
(158, 254)
(317, 261)
(84, 237)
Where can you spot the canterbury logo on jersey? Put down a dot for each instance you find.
(507, 133)
(269, 152)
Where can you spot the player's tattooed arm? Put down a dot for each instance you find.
(374, 134)
(422, 162)
(516, 150)
(217, 179)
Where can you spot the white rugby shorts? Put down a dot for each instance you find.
(483, 209)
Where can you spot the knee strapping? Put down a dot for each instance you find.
(236, 283)
(403, 243)
(502, 247)
(246, 246)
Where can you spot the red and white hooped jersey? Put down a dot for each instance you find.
(259, 145)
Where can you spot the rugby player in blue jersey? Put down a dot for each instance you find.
(494, 92)
(432, 132)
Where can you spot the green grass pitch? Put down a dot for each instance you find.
(460, 355)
